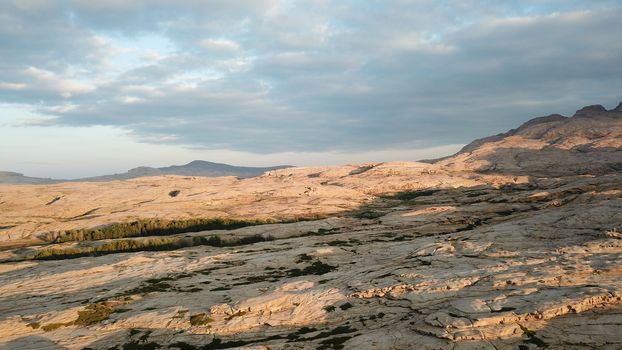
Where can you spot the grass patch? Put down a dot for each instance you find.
(91, 315)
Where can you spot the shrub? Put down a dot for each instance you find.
(154, 244)
(52, 326)
(154, 227)
(200, 319)
(93, 314)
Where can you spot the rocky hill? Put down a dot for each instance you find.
(9, 177)
(513, 243)
(589, 142)
(194, 168)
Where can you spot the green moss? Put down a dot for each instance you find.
(200, 319)
(53, 326)
(93, 314)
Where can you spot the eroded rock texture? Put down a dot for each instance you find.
(407, 256)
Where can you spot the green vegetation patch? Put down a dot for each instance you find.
(413, 194)
(126, 245)
(53, 326)
(154, 244)
(93, 314)
(317, 268)
(345, 306)
(200, 319)
(156, 227)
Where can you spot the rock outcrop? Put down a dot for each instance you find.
(589, 142)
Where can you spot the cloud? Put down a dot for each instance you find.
(220, 45)
(308, 76)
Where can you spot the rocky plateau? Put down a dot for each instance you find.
(515, 242)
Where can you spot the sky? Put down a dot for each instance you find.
(97, 87)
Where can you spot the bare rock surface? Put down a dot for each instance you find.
(589, 142)
(401, 255)
(28, 211)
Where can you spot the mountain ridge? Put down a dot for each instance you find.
(193, 168)
(590, 141)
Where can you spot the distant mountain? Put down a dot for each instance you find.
(9, 177)
(194, 168)
(589, 142)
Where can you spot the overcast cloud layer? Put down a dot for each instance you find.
(268, 76)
